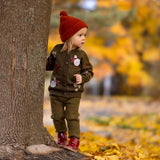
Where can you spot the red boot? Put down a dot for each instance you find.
(62, 138)
(73, 144)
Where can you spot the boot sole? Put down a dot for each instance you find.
(61, 145)
(68, 148)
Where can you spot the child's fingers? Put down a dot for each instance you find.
(78, 78)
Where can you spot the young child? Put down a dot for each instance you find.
(71, 69)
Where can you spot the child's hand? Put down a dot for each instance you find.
(78, 78)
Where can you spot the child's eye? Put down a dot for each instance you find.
(83, 35)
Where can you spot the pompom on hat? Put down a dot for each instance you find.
(69, 26)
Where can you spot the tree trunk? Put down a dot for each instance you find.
(24, 29)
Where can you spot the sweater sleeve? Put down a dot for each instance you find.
(51, 61)
(87, 69)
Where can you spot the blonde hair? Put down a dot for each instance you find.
(68, 44)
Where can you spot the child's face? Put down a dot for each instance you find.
(78, 39)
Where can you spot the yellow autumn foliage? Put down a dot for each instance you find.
(106, 68)
(139, 78)
(53, 40)
(122, 4)
(151, 55)
(121, 53)
(137, 29)
(139, 41)
(143, 12)
(152, 25)
(104, 3)
(118, 29)
(130, 131)
(141, 139)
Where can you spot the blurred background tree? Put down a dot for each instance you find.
(122, 42)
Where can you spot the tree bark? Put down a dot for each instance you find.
(24, 29)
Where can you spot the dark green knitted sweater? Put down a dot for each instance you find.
(64, 66)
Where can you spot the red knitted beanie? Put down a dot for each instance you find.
(69, 26)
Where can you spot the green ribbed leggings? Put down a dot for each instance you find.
(65, 115)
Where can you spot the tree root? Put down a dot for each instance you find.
(37, 153)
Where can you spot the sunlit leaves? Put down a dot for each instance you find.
(134, 137)
(139, 132)
(106, 68)
(143, 12)
(139, 78)
(131, 131)
(118, 29)
(53, 40)
(151, 55)
(97, 145)
(123, 4)
(123, 38)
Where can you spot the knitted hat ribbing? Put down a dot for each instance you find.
(69, 26)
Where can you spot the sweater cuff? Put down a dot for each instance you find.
(84, 79)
